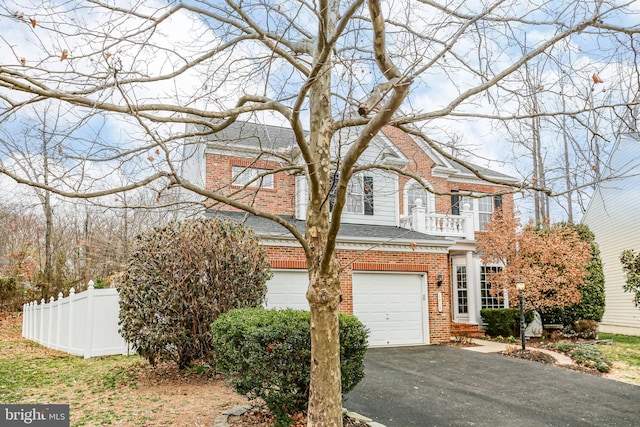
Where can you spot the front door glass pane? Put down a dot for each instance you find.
(461, 285)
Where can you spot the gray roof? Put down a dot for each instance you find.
(484, 171)
(277, 138)
(254, 135)
(381, 233)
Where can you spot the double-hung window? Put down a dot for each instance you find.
(359, 199)
(251, 177)
(481, 207)
(487, 299)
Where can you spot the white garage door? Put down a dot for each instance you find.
(288, 289)
(391, 305)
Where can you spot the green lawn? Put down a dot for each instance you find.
(33, 375)
(110, 390)
(625, 349)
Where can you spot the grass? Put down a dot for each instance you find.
(38, 376)
(625, 349)
(111, 390)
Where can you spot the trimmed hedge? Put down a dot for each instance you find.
(504, 321)
(267, 354)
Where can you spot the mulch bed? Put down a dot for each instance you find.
(538, 356)
(261, 417)
(535, 356)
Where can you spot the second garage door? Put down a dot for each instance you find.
(392, 306)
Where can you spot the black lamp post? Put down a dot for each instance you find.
(520, 287)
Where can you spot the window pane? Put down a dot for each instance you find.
(461, 281)
(416, 192)
(488, 300)
(485, 211)
(248, 176)
(485, 204)
(355, 196)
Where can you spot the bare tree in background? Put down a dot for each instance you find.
(152, 70)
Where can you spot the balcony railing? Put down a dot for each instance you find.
(458, 226)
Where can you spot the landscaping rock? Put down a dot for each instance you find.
(236, 410)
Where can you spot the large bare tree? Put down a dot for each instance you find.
(152, 69)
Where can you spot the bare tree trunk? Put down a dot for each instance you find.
(325, 397)
(567, 175)
(45, 199)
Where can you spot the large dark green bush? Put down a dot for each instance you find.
(180, 278)
(503, 322)
(267, 353)
(591, 305)
(631, 267)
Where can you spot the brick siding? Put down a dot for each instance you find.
(432, 264)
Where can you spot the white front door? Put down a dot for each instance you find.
(393, 306)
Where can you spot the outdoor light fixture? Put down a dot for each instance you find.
(440, 279)
(520, 287)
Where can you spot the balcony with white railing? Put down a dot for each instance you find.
(457, 226)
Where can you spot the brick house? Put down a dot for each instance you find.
(410, 271)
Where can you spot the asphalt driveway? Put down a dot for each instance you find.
(447, 386)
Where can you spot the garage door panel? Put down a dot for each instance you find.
(288, 289)
(391, 306)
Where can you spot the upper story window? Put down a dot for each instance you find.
(481, 207)
(484, 207)
(359, 199)
(251, 177)
(414, 192)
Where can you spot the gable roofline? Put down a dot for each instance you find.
(451, 169)
(252, 138)
(244, 138)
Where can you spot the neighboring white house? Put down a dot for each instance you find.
(614, 217)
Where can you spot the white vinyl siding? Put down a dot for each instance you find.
(612, 217)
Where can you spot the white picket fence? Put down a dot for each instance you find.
(84, 324)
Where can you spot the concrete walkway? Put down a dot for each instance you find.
(487, 346)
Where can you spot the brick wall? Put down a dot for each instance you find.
(422, 165)
(432, 264)
(280, 199)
